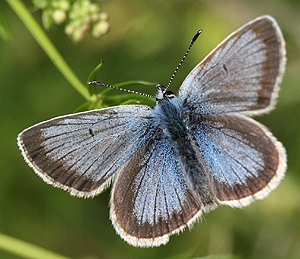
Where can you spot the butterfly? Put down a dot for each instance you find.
(171, 163)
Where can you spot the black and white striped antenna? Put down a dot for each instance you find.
(118, 88)
(172, 77)
(184, 56)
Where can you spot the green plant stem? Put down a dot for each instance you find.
(26, 250)
(42, 39)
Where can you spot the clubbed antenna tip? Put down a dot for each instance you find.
(188, 50)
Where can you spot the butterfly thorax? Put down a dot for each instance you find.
(168, 113)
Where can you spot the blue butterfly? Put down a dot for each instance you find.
(171, 163)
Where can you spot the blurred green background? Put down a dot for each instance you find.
(146, 41)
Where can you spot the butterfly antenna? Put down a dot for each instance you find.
(118, 88)
(188, 50)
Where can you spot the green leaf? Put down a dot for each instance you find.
(92, 77)
(93, 74)
(130, 101)
(124, 98)
(84, 107)
(134, 82)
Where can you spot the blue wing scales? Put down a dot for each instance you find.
(151, 198)
(241, 74)
(81, 152)
(244, 158)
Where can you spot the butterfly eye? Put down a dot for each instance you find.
(169, 94)
(160, 92)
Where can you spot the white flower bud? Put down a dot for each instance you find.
(100, 28)
(59, 16)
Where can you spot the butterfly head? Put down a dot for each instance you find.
(163, 93)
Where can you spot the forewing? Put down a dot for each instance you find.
(151, 199)
(241, 74)
(245, 160)
(81, 152)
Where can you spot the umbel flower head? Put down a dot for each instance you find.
(82, 17)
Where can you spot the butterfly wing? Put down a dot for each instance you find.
(151, 199)
(245, 160)
(81, 152)
(241, 74)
